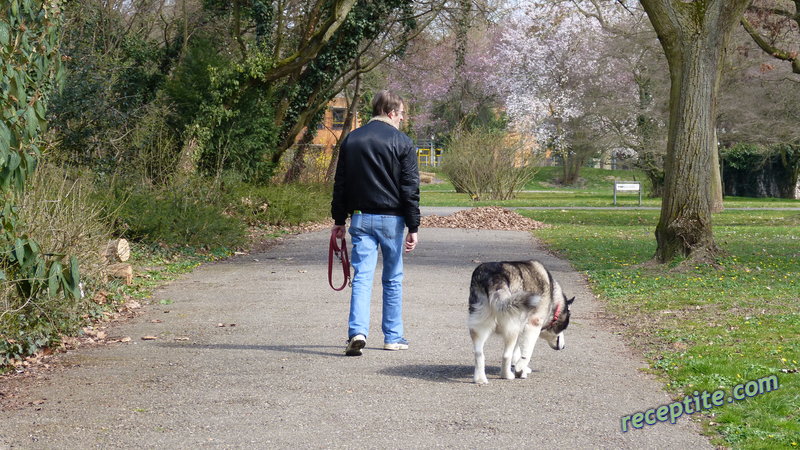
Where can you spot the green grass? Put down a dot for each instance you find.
(591, 180)
(549, 199)
(596, 189)
(703, 327)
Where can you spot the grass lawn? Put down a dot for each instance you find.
(701, 327)
(595, 189)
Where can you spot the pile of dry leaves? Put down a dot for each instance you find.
(484, 218)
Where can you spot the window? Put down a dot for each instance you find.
(338, 117)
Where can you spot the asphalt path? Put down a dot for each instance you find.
(275, 375)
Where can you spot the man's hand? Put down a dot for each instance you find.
(411, 242)
(340, 231)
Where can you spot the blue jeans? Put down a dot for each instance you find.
(368, 232)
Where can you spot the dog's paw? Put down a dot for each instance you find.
(523, 373)
(481, 380)
(507, 376)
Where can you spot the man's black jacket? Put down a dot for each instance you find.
(377, 174)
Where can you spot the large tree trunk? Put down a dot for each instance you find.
(694, 36)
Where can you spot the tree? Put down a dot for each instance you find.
(444, 72)
(694, 36)
(373, 32)
(639, 121)
(321, 26)
(759, 100)
(547, 94)
(774, 26)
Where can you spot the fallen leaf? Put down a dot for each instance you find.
(125, 339)
(485, 218)
(181, 338)
(220, 325)
(149, 338)
(156, 321)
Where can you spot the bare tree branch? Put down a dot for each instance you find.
(770, 49)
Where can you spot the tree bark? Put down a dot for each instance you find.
(306, 53)
(298, 164)
(694, 36)
(117, 250)
(716, 179)
(459, 87)
(121, 270)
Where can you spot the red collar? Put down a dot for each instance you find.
(555, 316)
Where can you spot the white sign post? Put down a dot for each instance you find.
(627, 186)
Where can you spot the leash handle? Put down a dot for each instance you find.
(340, 250)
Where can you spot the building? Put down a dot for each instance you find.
(332, 126)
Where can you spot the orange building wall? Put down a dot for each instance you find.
(330, 132)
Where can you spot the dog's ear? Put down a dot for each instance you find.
(569, 302)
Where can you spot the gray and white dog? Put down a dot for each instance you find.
(520, 301)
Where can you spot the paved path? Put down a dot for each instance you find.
(279, 379)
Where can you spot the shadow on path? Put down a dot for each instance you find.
(443, 373)
(303, 349)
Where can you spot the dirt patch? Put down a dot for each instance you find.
(484, 218)
(24, 373)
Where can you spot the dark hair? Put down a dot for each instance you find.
(385, 102)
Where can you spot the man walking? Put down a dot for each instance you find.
(377, 184)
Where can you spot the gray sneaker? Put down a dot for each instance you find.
(402, 344)
(355, 344)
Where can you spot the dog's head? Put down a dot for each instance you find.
(554, 333)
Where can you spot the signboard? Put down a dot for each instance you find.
(627, 186)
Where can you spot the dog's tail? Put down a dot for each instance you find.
(503, 300)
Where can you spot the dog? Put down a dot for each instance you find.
(520, 301)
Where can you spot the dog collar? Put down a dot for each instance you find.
(555, 316)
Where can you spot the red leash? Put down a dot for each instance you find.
(341, 252)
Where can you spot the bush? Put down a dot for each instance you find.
(489, 162)
(279, 204)
(235, 130)
(56, 211)
(182, 213)
(750, 170)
